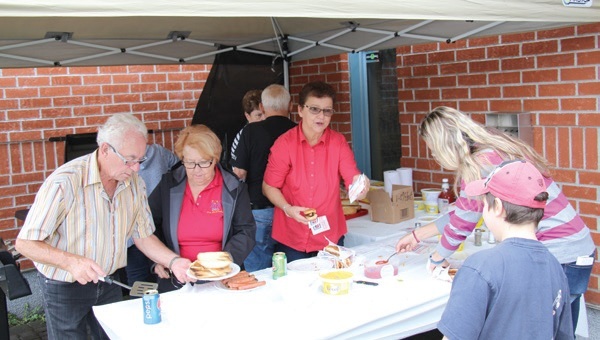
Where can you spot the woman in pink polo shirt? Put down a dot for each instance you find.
(304, 171)
(200, 206)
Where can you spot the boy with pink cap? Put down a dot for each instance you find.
(518, 289)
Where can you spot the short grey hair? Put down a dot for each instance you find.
(115, 128)
(276, 97)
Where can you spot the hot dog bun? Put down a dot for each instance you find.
(333, 250)
(310, 214)
(212, 264)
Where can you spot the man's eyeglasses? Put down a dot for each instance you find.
(201, 164)
(128, 162)
(316, 110)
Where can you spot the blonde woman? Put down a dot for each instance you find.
(472, 151)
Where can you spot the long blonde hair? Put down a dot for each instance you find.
(454, 139)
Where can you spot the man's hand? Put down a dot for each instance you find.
(161, 271)
(179, 269)
(84, 270)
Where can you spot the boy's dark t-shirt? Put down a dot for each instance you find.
(517, 290)
(252, 153)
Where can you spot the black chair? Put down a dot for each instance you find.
(80, 144)
(12, 285)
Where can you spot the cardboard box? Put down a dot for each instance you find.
(396, 209)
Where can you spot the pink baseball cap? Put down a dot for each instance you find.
(517, 182)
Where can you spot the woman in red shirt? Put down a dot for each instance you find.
(304, 171)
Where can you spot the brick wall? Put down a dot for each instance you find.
(554, 75)
(37, 104)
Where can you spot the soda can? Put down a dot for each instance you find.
(151, 302)
(279, 265)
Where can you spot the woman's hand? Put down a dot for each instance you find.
(295, 213)
(406, 243)
(365, 190)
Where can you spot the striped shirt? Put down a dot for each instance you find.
(72, 212)
(561, 229)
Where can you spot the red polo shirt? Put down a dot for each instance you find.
(200, 226)
(310, 177)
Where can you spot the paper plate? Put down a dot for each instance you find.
(312, 264)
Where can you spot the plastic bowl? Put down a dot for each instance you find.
(336, 282)
(374, 269)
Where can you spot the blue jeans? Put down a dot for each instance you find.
(578, 277)
(138, 266)
(261, 255)
(292, 254)
(68, 307)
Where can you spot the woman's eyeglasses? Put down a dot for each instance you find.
(201, 164)
(316, 110)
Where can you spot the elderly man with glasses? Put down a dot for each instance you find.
(78, 226)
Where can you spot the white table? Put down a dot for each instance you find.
(362, 230)
(294, 307)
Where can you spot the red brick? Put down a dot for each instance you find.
(123, 69)
(66, 80)
(559, 119)
(86, 90)
(587, 58)
(470, 54)
(505, 78)
(472, 79)
(453, 68)
(589, 208)
(506, 105)
(588, 178)
(144, 107)
(564, 148)
(485, 92)
(441, 57)
(425, 47)
(589, 119)
(14, 72)
(579, 73)
(31, 103)
(573, 104)
(413, 83)
(520, 91)
(582, 192)
(8, 82)
(540, 47)
(97, 80)
(135, 88)
(97, 100)
(491, 40)
(414, 59)
(484, 66)
(591, 152)
(37, 124)
(52, 70)
(588, 28)
(126, 98)
(112, 89)
(539, 76)
(517, 63)
(556, 60)
(442, 81)
(556, 33)
(550, 153)
(577, 148)
(55, 91)
(117, 108)
(503, 51)
(69, 122)
(456, 93)
(328, 68)
(589, 88)
(176, 77)
(169, 87)
(21, 93)
(428, 70)
(9, 104)
(33, 81)
(578, 43)
(67, 101)
(417, 107)
(427, 94)
(517, 37)
(473, 105)
(153, 78)
(557, 90)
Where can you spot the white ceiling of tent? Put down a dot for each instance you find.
(113, 32)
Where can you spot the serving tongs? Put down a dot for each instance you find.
(138, 288)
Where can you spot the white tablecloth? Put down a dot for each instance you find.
(362, 230)
(293, 307)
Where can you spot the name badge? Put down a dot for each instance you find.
(319, 225)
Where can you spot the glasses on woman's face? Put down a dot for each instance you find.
(202, 164)
(127, 162)
(316, 110)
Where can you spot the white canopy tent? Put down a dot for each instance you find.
(36, 33)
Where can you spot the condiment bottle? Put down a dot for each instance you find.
(446, 196)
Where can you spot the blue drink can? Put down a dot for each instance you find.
(151, 302)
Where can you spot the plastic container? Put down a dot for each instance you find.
(336, 282)
(377, 268)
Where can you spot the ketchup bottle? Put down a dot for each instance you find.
(446, 196)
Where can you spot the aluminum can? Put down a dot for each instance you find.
(478, 234)
(279, 265)
(151, 302)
